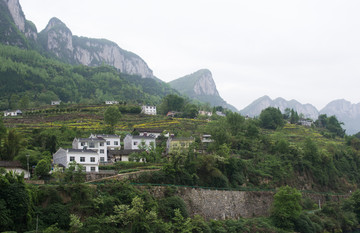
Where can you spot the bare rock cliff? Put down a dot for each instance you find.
(57, 38)
(205, 85)
(27, 28)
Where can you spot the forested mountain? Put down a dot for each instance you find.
(201, 86)
(56, 40)
(28, 79)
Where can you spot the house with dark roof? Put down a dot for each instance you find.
(89, 159)
(133, 142)
(179, 144)
(14, 166)
(122, 155)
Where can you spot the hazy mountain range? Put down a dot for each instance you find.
(345, 111)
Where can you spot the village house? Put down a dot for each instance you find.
(111, 102)
(89, 159)
(97, 145)
(122, 155)
(13, 113)
(55, 102)
(112, 140)
(150, 132)
(14, 166)
(205, 113)
(148, 110)
(132, 142)
(180, 144)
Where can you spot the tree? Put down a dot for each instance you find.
(286, 207)
(271, 118)
(112, 116)
(43, 168)
(172, 103)
(12, 145)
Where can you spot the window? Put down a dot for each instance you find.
(72, 158)
(101, 151)
(101, 144)
(102, 159)
(92, 145)
(108, 143)
(93, 169)
(83, 144)
(116, 143)
(82, 159)
(92, 159)
(135, 143)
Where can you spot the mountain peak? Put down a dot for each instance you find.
(54, 23)
(200, 85)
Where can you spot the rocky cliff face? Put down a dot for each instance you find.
(19, 19)
(58, 39)
(205, 84)
(255, 108)
(14, 28)
(345, 112)
(201, 86)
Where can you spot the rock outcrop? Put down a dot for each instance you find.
(345, 112)
(201, 86)
(58, 39)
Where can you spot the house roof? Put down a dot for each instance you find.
(182, 139)
(81, 151)
(107, 135)
(140, 137)
(147, 130)
(91, 139)
(123, 152)
(10, 164)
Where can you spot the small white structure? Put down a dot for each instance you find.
(89, 159)
(148, 110)
(133, 142)
(55, 102)
(98, 145)
(220, 114)
(206, 138)
(205, 113)
(150, 132)
(111, 102)
(13, 113)
(14, 166)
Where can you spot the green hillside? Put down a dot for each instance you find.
(27, 80)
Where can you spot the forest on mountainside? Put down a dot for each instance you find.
(28, 80)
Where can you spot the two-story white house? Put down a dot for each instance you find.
(112, 140)
(148, 110)
(89, 159)
(13, 113)
(133, 142)
(96, 144)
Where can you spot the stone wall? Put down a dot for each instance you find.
(223, 204)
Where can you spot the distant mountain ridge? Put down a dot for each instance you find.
(200, 85)
(58, 40)
(344, 110)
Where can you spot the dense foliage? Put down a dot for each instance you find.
(28, 79)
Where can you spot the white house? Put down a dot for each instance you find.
(150, 132)
(132, 142)
(111, 102)
(55, 102)
(205, 113)
(148, 110)
(89, 159)
(122, 155)
(14, 166)
(13, 113)
(112, 140)
(95, 144)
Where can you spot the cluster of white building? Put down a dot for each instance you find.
(90, 152)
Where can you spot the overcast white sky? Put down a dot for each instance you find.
(295, 49)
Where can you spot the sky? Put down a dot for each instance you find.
(295, 49)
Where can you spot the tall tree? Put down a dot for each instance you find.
(112, 116)
(271, 118)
